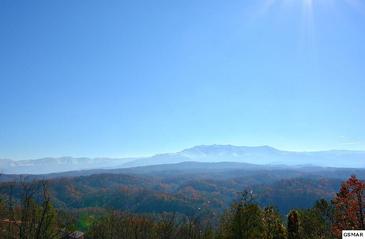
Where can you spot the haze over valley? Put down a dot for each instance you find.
(262, 155)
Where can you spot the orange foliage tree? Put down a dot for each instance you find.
(349, 207)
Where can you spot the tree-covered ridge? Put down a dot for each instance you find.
(33, 216)
(183, 194)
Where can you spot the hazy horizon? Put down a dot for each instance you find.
(259, 156)
(177, 151)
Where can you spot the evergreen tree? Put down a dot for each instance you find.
(293, 225)
(274, 229)
(243, 220)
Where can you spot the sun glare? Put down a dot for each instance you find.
(309, 10)
(308, 3)
(311, 4)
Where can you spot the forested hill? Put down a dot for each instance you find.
(218, 170)
(187, 187)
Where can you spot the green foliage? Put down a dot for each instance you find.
(313, 223)
(293, 225)
(274, 228)
(243, 220)
(123, 226)
(167, 226)
(316, 222)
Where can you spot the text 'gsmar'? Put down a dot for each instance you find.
(352, 234)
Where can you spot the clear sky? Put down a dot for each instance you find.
(130, 78)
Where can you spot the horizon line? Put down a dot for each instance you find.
(147, 155)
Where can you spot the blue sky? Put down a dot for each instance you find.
(130, 78)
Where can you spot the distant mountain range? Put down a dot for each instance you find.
(261, 155)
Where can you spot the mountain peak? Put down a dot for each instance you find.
(214, 148)
(263, 155)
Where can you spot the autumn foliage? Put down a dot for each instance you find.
(349, 206)
(33, 216)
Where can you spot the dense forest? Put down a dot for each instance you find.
(133, 206)
(184, 188)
